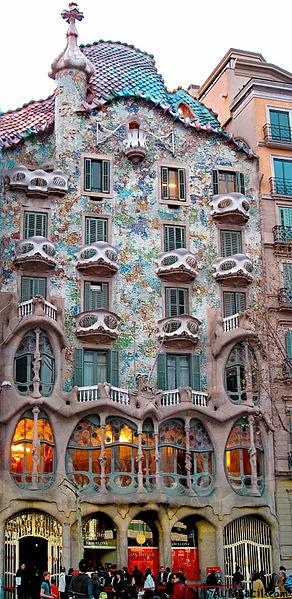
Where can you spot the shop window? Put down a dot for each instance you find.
(34, 356)
(238, 460)
(241, 374)
(33, 451)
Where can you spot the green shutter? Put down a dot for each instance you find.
(78, 370)
(174, 237)
(240, 301)
(240, 186)
(285, 216)
(228, 303)
(182, 183)
(289, 344)
(195, 372)
(87, 174)
(25, 289)
(32, 286)
(161, 372)
(105, 174)
(96, 229)
(35, 223)
(287, 274)
(176, 301)
(95, 299)
(231, 243)
(113, 367)
(164, 183)
(215, 182)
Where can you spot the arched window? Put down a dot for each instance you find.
(172, 451)
(33, 451)
(203, 461)
(121, 453)
(34, 359)
(148, 450)
(83, 452)
(240, 454)
(241, 373)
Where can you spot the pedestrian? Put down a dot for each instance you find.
(168, 572)
(281, 580)
(62, 583)
(258, 588)
(96, 587)
(237, 577)
(21, 582)
(169, 585)
(211, 580)
(45, 591)
(179, 587)
(149, 584)
(54, 588)
(68, 578)
(81, 585)
(162, 576)
(181, 572)
(132, 591)
(139, 578)
(119, 585)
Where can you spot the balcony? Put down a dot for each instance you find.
(37, 306)
(277, 136)
(135, 145)
(37, 182)
(173, 398)
(97, 326)
(230, 323)
(180, 332)
(36, 254)
(230, 208)
(236, 270)
(285, 298)
(281, 187)
(120, 396)
(176, 265)
(97, 259)
(282, 240)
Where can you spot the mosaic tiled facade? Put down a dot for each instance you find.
(160, 419)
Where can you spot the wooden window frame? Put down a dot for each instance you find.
(174, 223)
(175, 166)
(100, 216)
(97, 280)
(187, 286)
(96, 194)
(35, 210)
(231, 170)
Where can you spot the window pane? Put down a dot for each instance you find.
(226, 182)
(173, 184)
(96, 175)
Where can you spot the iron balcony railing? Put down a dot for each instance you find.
(282, 187)
(285, 297)
(282, 234)
(277, 133)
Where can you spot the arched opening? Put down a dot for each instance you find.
(184, 547)
(121, 453)
(148, 451)
(34, 365)
(185, 111)
(143, 540)
(248, 544)
(33, 538)
(203, 460)
(99, 541)
(241, 374)
(244, 458)
(83, 453)
(172, 452)
(33, 451)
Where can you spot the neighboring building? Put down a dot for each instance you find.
(137, 427)
(254, 102)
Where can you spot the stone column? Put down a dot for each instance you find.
(220, 548)
(253, 458)
(35, 448)
(157, 472)
(102, 458)
(2, 555)
(165, 543)
(66, 545)
(122, 544)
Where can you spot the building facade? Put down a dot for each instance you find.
(137, 428)
(254, 100)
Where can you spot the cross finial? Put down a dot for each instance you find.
(72, 13)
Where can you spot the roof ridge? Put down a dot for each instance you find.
(101, 41)
(26, 104)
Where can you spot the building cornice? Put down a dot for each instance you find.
(263, 88)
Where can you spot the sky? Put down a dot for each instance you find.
(187, 38)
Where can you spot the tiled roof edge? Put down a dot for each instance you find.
(120, 44)
(11, 110)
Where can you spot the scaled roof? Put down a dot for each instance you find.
(121, 71)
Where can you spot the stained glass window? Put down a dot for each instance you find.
(241, 373)
(238, 459)
(203, 461)
(83, 452)
(24, 364)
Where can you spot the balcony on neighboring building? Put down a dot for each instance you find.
(97, 326)
(280, 187)
(179, 331)
(35, 253)
(230, 208)
(37, 182)
(97, 259)
(37, 306)
(285, 298)
(236, 270)
(277, 136)
(177, 265)
(282, 240)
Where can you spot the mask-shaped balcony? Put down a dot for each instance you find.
(35, 253)
(135, 145)
(98, 258)
(236, 270)
(176, 265)
(230, 208)
(179, 331)
(97, 326)
(38, 182)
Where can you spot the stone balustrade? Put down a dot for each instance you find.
(98, 324)
(98, 258)
(37, 182)
(237, 269)
(181, 330)
(230, 208)
(230, 323)
(36, 253)
(177, 265)
(30, 307)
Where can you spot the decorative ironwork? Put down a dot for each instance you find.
(285, 298)
(277, 133)
(282, 187)
(282, 234)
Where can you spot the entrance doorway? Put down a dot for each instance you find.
(100, 541)
(184, 548)
(143, 542)
(33, 551)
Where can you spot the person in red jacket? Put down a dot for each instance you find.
(179, 587)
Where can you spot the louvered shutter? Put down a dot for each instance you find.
(215, 182)
(113, 367)
(287, 275)
(174, 237)
(240, 186)
(289, 344)
(95, 298)
(79, 367)
(105, 176)
(164, 183)
(228, 303)
(96, 229)
(183, 301)
(171, 302)
(25, 289)
(231, 243)
(285, 216)
(102, 229)
(182, 183)
(240, 301)
(32, 286)
(161, 372)
(87, 174)
(195, 372)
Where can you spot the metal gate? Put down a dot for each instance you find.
(30, 524)
(247, 543)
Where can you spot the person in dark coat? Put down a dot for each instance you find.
(211, 580)
(179, 587)
(21, 582)
(137, 574)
